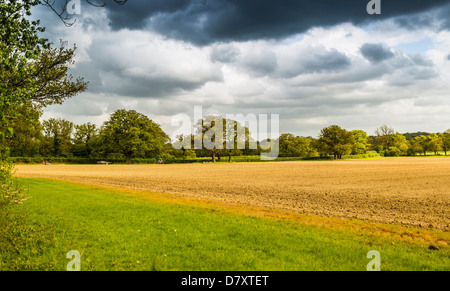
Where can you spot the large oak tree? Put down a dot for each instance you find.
(335, 141)
(132, 133)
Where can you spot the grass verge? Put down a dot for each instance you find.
(129, 230)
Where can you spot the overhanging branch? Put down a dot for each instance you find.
(65, 17)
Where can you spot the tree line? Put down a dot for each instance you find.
(129, 134)
(337, 142)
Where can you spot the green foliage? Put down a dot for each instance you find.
(19, 45)
(26, 138)
(17, 31)
(435, 143)
(335, 141)
(445, 137)
(50, 73)
(295, 146)
(383, 140)
(361, 142)
(11, 191)
(397, 145)
(423, 142)
(132, 134)
(414, 147)
(430, 143)
(85, 139)
(25, 246)
(89, 144)
(390, 143)
(221, 137)
(32, 74)
(58, 135)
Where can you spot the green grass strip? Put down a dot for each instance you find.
(113, 230)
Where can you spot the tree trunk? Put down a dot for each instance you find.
(128, 156)
(213, 157)
(229, 158)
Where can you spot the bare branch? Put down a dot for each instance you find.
(62, 14)
(96, 5)
(66, 17)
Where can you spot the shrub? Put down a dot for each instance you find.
(11, 191)
(393, 152)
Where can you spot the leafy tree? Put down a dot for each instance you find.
(32, 74)
(397, 145)
(424, 143)
(210, 133)
(31, 71)
(58, 133)
(236, 138)
(336, 141)
(382, 140)
(361, 142)
(19, 45)
(26, 138)
(220, 137)
(435, 143)
(294, 146)
(414, 146)
(50, 74)
(445, 137)
(84, 139)
(132, 134)
(26, 76)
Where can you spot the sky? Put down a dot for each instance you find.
(314, 63)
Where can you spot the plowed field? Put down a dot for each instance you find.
(405, 191)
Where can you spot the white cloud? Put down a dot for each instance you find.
(312, 80)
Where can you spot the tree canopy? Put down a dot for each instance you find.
(132, 133)
(220, 136)
(32, 73)
(32, 76)
(335, 141)
(294, 146)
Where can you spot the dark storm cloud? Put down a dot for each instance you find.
(376, 53)
(436, 18)
(207, 21)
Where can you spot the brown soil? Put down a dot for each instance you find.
(404, 191)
